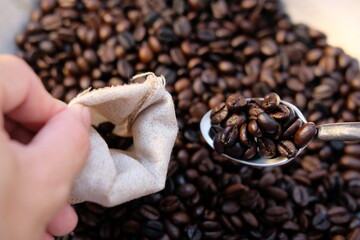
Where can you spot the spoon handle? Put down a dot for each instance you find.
(346, 131)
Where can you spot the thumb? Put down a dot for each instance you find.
(62, 145)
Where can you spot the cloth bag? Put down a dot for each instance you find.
(144, 111)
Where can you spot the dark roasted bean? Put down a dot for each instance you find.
(267, 123)
(267, 147)
(304, 134)
(235, 102)
(219, 113)
(287, 148)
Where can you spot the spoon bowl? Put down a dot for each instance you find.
(335, 131)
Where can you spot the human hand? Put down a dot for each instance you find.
(43, 145)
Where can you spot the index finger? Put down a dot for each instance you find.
(23, 98)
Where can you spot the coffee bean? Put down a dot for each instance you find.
(229, 135)
(235, 151)
(218, 144)
(338, 215)
(267, 147)
(304, 134)
(268, 47)
(281, 113)
(182, 27)
(180, 218)
(267, 123)
(314, 55)
(254, 129)
(287, 148)
(276, 214)
(250, 152)
(153, 229)
(250, 219)
(291, 130)
(300, 196)
(124, 69)
(219, 113)
(169, 204)
(235, 102)
(271, 101)
(320, 222)
(149, 212)
(230, 207)
(51, 22)
(245, 139)
(186, 190)
(235, 120)
(193, 233)
(276, 193)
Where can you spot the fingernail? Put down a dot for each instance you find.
(84, 113)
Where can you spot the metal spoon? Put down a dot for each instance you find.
(347, 131)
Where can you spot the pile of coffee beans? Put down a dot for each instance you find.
(243, 128)
(209, 50)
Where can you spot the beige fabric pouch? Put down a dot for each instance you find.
(144, 111)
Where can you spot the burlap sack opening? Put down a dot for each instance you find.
(144, 111)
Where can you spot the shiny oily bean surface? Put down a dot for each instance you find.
(304, 134)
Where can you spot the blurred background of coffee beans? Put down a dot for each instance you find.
(208, 50)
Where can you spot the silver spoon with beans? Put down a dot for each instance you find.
(345, 131)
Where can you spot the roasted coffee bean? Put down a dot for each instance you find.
(229, 135)
(153, 229)
(267, 123)
(244, 137)
(180, 218)
(182, 27)
(287, 148)
(338, 215)
(300, 196)
(124, 69)
(254, 109)
(291, 130)
(51, 22)
(219, 113)
(235, 102)
(351, 162)
(215, 129)
(276, 193)
(218, 144)
(149, 212)
(320, 222)
(193, 233)
(250, 219)
(169, 204)
(267, 147)
(186, 190)
(304, 134)
(280, 113)
(235, 120)
(271, 102)
(235, 151)
(276, 214)
(254, 129)
(250, 152)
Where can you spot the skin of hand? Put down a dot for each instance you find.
(43, 146)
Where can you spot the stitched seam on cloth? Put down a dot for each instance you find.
(138, 108)
(75, 201)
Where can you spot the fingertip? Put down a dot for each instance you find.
(84, 114)
(64, 221)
